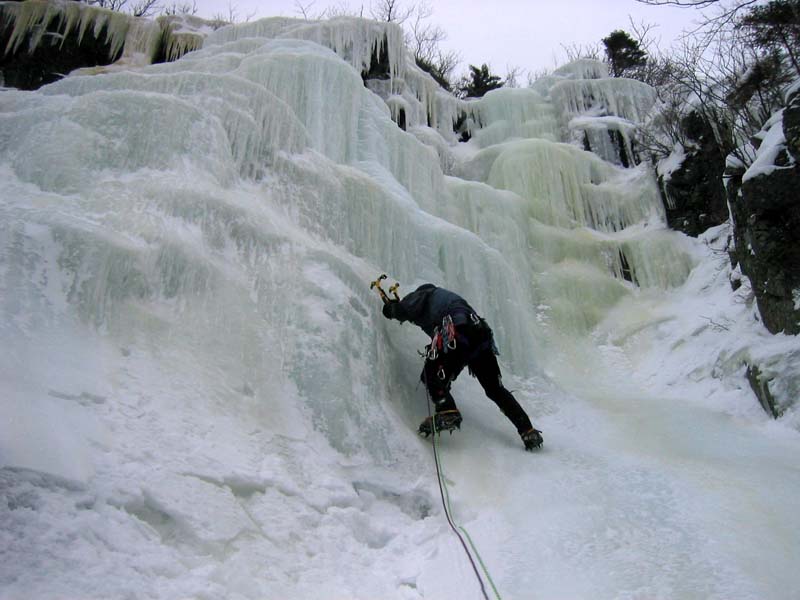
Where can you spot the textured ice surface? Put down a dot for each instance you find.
(201, 398)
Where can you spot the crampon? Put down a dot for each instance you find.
(447, 420)
(532, 439)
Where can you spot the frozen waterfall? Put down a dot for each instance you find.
(201, 399)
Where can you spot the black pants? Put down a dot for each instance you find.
(439, 374)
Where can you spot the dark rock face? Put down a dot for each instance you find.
(624, 150)
(694, 195)
(791, 125)
(626, 159)
(55, 57)
(766, 219)
(379, 66)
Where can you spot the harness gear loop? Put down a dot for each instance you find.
(436, 344)
(448, 333)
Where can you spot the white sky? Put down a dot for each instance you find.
(523, 33)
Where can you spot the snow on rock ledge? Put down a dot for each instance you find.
(44, 40)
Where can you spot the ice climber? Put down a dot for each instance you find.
(459, 338)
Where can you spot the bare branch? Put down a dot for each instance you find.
(117, 5)
(728, 10)
(144, 8)
(538, 74)
(304, 9)
(183, 8)
(513, 75)
(391, 11)
(341, 10)
(692, 3)
(577, 51)
(642, 34)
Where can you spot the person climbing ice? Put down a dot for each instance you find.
(459, 338)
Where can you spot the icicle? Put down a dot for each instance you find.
(657, 260)
(123, 32)
(29, 18)
(355, 40)
(626, 98)
(513, 113)
(597, 134)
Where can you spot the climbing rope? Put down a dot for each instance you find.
(448, 511)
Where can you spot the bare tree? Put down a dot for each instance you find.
(181, 8)
(710, 74)
(731, 86)
(304, 9)
(533, 76)
(654, 71)
(513, 75)
(578, 51)
(643, 33)
(423, 37)
(138, 8)
(232, 16)
(392, 11)
(342, 9)
(425, 41)
(117, 5)
(144, 8)
(714, 23)
(700, 3)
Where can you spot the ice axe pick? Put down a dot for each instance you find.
(377, 284)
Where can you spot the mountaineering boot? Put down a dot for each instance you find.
(446, 420)
(532, 439)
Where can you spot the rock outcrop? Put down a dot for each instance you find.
(765, 205)
(694, 194)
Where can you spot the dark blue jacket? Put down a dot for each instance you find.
(427, 306)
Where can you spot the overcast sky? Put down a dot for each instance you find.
(524, 33)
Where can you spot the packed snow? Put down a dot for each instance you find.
(201, 398)
(771, 144)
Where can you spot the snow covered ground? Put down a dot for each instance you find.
(200, 398)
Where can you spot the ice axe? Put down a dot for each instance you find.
(377, 284)
(393, 290)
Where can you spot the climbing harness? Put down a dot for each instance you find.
(458, 529)
(444, 338)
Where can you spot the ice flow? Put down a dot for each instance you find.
(201, 399)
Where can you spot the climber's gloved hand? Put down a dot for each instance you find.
(389, 309)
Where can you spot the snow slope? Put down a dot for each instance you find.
(200, 398)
